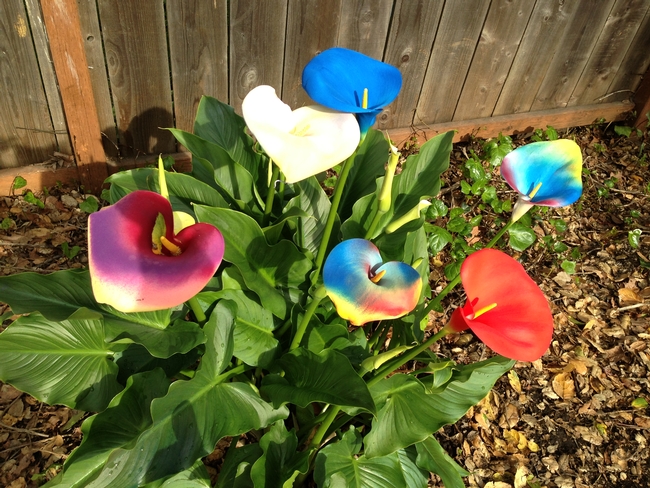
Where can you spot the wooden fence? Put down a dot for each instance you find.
(97, 79)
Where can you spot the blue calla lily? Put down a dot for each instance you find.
(348, 81)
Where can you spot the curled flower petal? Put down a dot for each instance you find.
(126, 273)
(303, 142)
(545, 173)
(363, 289)
(337, 78)
(505, 308)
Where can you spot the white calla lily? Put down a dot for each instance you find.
(302, 142)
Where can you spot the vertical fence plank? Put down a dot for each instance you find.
(48, 76)
(635, 63)
(312, 27)
(364, 26)
(257, 35)
(64, 31)
(92, 40)
(613, 43)
(26, 132)
(500, 38)
(411, 36)
(136, 53)
(568, 63)
(455, 43)
(198, 45)
(542, 38)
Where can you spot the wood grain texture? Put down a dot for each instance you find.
(198, 46)
(364, 26)
(456, 40)
(48, 76)
(635, 63)
(38, 176)
(135, 46)
(92, 40)
(500, 38)
(613, 43)
(542, 38)
(257, 36)
(642, 103)
(412, 31)
(518, 123)
(26, 132)
(568, 63)
(312, 27)
(64, 31)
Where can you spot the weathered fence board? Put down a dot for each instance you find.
(26, 132)
(198, 47)
(364, 26)
(135, 45)
(412, 31)
(456, 40)
(257, 38)
(636, 62)
(502, 32)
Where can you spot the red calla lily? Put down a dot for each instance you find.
(505, 308)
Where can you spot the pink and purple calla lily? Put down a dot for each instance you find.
(136, 262)
(505, 308)
(545, 173)
(363, 288)
(348, 81)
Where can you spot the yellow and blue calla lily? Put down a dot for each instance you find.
(139, 264)
(348, 81)
(363, 288)
(545, 173)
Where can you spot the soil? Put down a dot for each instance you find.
(576, 418)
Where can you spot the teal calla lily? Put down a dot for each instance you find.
(363, 288)
(303, 142)
(138, 264)
(348, 81)
(545, 173)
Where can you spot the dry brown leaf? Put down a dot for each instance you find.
(628, 297)
(563, 385)
(521, 477)
(513, 379)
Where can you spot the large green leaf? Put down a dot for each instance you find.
(193, 416)
(195, 477)
(414, 476)
(267, 270)
(255, 343)
(125, 418)
(236, 467)
(312, 200)
(280, 464)
(412, 414)
(178, 338)
(64, 362)
(326, 377)
(136, 359)
(338, 465)
(369, 161)
(419, 179)
(433, 458)
(218, 123)
(233, 178)
(59, 295)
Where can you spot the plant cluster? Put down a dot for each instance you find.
(241, 300)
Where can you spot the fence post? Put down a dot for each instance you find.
(642, 99)
(61, 19)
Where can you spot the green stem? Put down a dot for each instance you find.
(331, 217)
(233, 372)
(435, 302)
(197, 310)
(268, 206)
(319, 294)
(373, 225)
(324, 427)
(402, 360)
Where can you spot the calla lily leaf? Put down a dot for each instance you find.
(363, 288)
(303, 142)
(127, 274)
(337, 78)
(545, 173)
(505, 308)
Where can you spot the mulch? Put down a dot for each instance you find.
(576, 418)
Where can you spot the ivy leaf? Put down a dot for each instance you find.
(521, 237)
